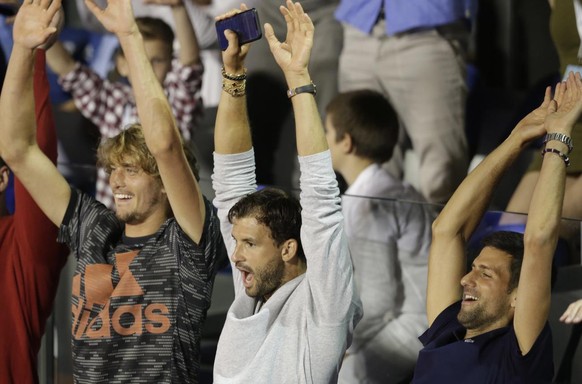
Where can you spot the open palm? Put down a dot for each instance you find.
(293, 54)
(32, 26)
(532, 125)
(116, 17)
(569, 106)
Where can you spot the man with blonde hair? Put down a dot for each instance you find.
(144, 276)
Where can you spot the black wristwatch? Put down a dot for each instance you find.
(309, 88)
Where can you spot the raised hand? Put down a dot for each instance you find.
(233, 57)
(573, 314)
(34, 23)
(532, 125)
(567, 107)
(293, 54)
(117, 17)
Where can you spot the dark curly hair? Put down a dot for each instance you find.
(275, 209)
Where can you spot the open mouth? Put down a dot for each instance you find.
(469, 298)
(247, 278)
(122, 196)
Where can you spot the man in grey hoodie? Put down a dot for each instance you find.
(295, 304)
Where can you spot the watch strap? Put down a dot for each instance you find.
(309, 88)
(561, 138)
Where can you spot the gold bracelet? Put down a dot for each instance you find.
(234, 88)
(230, 76)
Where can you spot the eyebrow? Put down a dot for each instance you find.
(486, 267)
(245, 238)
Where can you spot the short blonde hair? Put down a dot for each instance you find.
(129, 146)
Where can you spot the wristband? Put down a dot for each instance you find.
(234, 88)
(559, 153)
(230, 76)
(309, 88)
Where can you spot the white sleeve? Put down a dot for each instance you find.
(233, 178)
(329, 265)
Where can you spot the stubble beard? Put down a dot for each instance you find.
(267, 279)
(134, 217)
(477, 317)
(130, 218)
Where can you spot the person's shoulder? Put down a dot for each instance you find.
(90, 208)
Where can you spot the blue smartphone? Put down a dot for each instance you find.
(245, 24)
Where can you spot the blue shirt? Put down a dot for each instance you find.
(492, 357)
(402, 15)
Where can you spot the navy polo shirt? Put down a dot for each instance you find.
(493, 357)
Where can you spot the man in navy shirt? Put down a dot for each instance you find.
(498, 331)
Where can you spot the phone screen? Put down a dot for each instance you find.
(245, 24)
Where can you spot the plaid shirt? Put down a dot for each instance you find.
(111, 105)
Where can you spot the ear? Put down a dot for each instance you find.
(121, 65)
(4, 173)
(347, 143)
(288, 250)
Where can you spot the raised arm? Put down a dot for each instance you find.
(189, 47)
(157, 121)
(232, 133)
(541, 231)
(292, 56)
(59, 59)
(464, 210)
(18, 146)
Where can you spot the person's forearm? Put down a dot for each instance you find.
(17, 125)
(45, 135)
(309, 130)
(546, 204)
(59, 59)
(464, 210)
(189, 49)
(232, 133)
(153, 108)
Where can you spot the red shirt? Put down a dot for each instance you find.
(30, 260)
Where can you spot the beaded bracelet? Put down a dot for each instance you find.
(234, 88)
(559, 153)
(561, 138)
(232, 77)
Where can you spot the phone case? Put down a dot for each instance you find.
(245, 24)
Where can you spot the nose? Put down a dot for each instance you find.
(467, 279)
(237, 255)
(116, 178)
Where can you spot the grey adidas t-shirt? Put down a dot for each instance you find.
(137, 310)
